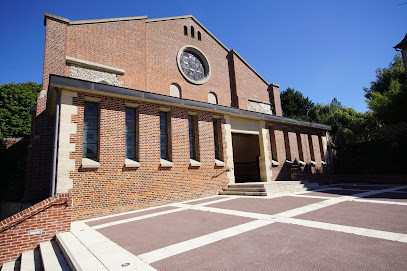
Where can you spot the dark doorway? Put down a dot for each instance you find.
(246, 152)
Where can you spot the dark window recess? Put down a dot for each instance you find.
(192, 135)
(131, 133)
(192, 32)
(199, 35)
(216, 138)
(164, 135)
(185, 30)
(91, 131)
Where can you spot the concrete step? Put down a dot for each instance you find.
(9, 266)
(241, 193)
(249, 185)
(51, 257)
(27, 261)
(78, 256)
(245, 189)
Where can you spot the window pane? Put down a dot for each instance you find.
(130, 113)
(130, 139)
(90, 136)
(91, 122)
(91, 150)
(130, 151)
(91, 109)
(90, 130)
(130, 126)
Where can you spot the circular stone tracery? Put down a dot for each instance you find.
(193, 65)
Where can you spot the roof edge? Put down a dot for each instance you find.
(250, 67)
(93, 21)
(195, 20)
(104, 89)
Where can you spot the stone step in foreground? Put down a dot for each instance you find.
(264, 188)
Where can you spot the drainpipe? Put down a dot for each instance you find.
(55, 145)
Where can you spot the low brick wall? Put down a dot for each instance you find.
(38, 223)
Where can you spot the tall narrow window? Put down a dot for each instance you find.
(311, 148)
(216, 134)
(192, 137)
(287, 146)
(164, 135)
(185, 30)
(273, 145)
(299, 146)
(321, 148)
(199, 35)
(192, 32)
(91, 131)
(131, 133)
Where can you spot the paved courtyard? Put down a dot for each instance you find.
(341, 227)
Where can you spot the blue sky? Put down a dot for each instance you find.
(324, 49)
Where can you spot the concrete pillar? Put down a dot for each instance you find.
(66, 128)
(265, 157)
(229, 150)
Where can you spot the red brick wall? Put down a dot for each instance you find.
(117, 44)
(112, 188)
(51, 216)
(249, 85)
(164, 40)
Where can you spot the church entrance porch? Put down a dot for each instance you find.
(246, 153)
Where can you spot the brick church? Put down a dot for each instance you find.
(139, 112)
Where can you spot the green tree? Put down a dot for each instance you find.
(387, 95)
(348, 125)
(294, 104)
(16, 100)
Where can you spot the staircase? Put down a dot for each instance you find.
(64, 253)
(264, 189)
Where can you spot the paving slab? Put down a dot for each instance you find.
(204, 200)
(389, 196)
(384, 217)
(128, 215)
(334, 193)
(145, 235)
(265, 206)
(291, 247)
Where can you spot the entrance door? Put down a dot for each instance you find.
(246, 153)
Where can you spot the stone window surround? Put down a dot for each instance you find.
(203, 58)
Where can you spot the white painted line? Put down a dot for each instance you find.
(109, 253)
(393, 236)
(380, 201)
(215, 201)
(231, 212)
(124, 213)
(361, 195)
(165, 252)
(310, 196)
(105, 225)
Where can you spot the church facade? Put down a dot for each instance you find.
(138, 112)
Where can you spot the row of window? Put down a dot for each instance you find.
(175, 91)
(91, 134)
(192, 32)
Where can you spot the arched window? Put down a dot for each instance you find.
(199, 35)
(192, 32)
(212, 98)
(185, 30)
(175, 91)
